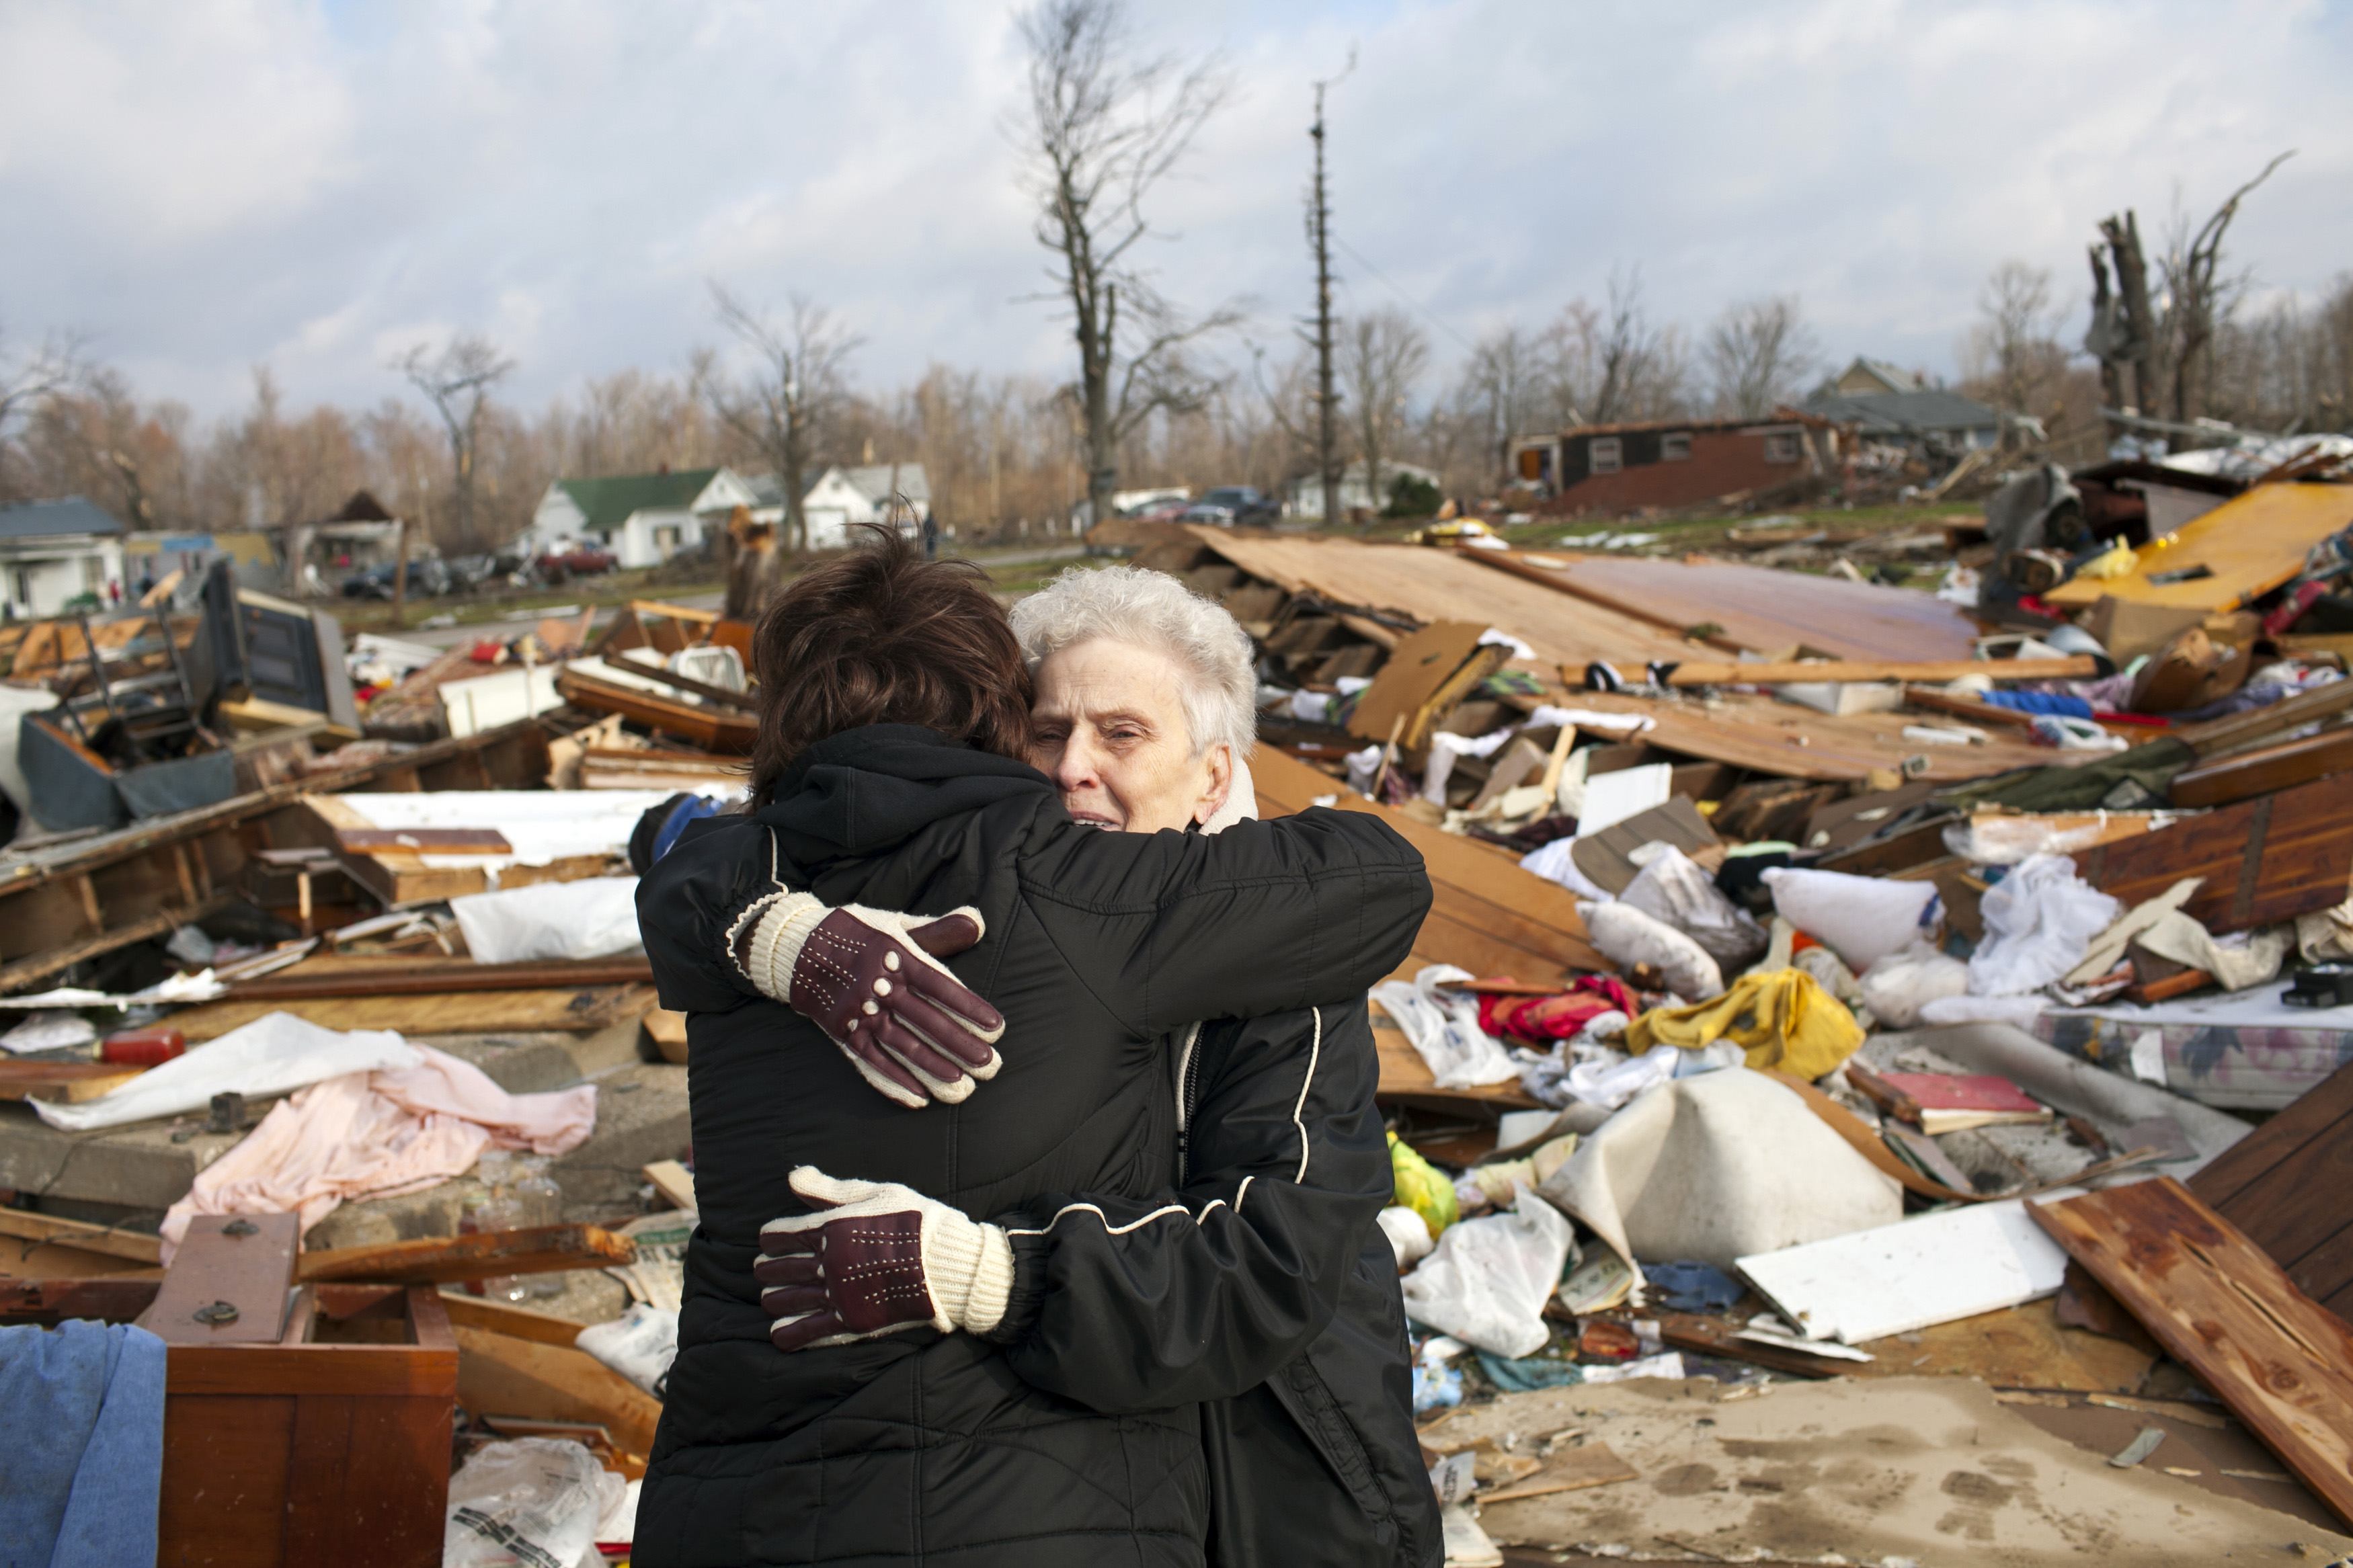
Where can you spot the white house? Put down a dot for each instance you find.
(839, 498)
(642, 519)
(1307, 498)
(54, 552)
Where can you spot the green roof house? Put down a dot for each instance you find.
(642, 519)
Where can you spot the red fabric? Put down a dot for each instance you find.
(1536, 1019)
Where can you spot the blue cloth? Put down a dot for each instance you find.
(693, 808)
(2039, 702)
(1692, 1286)
(1527, 1374)
(83, 1467)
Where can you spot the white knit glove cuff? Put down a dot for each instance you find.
(781, 924)
(969, 1266)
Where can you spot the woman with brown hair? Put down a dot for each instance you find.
(895, 709)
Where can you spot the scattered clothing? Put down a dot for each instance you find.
(1536, 1019)
(377, 1134)
(1783, 1019)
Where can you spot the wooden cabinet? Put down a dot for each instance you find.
(329, 1446)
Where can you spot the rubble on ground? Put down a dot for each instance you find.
(1842, 1004)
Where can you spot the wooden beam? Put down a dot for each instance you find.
(505, 1318)
(538, 1249)
(26, 1225)
(499, 1374)
(2083, 667)
(2245, 729)
(2264, 769)
(548, 974)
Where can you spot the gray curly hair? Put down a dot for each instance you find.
(1152, 610)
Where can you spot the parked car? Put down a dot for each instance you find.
(427, 579)
(580, 561)
(1169, 511)
(1229, 505)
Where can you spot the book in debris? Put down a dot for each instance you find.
(1939, 1102)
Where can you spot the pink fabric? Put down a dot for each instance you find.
(378, 1135)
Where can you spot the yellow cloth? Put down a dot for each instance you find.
(1422, 1187)
(2114, 562)
(1784, 1019)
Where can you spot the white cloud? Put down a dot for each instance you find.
(202, 185)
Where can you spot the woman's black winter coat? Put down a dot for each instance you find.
(921, 1448)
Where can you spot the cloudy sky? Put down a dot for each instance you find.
(202, 184)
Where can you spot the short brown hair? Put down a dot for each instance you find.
(880, 636)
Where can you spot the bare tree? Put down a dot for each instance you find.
(1382, 357)
(1758, 353)
(781, 409)
(2198, 297)
(1629, 347)
(1105, 128)
(1502, 390)
(29, 377)
(457, 380)
(2012, 356)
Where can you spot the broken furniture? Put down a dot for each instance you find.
(301, 1426)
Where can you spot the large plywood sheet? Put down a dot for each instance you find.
(2251, 543)
(1758, 608)
(1747, 731)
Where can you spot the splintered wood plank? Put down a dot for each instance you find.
(1417, 671)
(2223, 1308)
(2289, 1187)
(71, 1082)
(505, 1318)
(24, 1224)
(443, 1013)
(499, 1374)
(2250, 544)
(1568, 1470)
(2264, 861)
(1488, 916)
(537, 1249)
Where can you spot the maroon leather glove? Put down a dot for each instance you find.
(878, 1258)
(872, 981)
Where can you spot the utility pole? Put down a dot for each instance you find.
(1319, 218)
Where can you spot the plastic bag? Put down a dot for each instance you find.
(1611, 1083)
(1422, 1187)
(534, 1501)
(1671, 888)
(1489, 1279)
(1860, 918)
(593, 918)
(2039, 922)
(1408, 1235)
(1444, 1028)
(1627, 937)
(640, 1344)
(1899, 985)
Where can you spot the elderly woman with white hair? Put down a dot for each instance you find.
(1146, 702)
(1254, 1283)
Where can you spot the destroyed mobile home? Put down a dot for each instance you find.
(1870, 1082)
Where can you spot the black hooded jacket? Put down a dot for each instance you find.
(922, 1448)
(1257, 1284)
